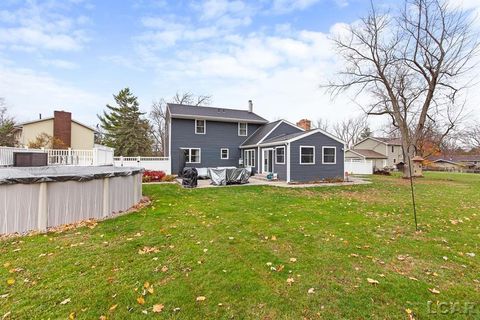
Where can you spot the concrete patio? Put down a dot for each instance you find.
(256, 181)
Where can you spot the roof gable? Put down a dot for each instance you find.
(211, 113)
(20, 125)
(297, 136)
(268, 131)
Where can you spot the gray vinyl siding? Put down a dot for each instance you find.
(282, 129)
(317, 171)
(167, 138)
(280, 169)
(218, 135)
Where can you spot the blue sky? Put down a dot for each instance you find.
(74, 54)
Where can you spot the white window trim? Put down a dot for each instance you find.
(300, 155)
(221, 153)
(246, 129)
(248, 160)
(204, 126)
(334, 155)
(284, 155)
(190, 154)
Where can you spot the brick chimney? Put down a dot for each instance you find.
(305, 124)
(62, 127)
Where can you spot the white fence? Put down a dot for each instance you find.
(353, 166)
(6, 155)
(148, 163)
(98, 156)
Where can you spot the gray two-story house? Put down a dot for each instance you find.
(206, 137)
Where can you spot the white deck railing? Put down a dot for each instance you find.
(6, 154)
(98, 156)
(148, 163)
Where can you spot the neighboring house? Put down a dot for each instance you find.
(456, 163)
(217, 137)
(61, 126)
(383, 152)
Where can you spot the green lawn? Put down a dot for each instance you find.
(237, 248)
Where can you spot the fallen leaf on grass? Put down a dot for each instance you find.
(434, 290)
(201, 298)
(65, 301)
(409, 314)
(113, 307)
(290, 281)
(157, 308)
(141, 300)
(147, 250)
(372, 281)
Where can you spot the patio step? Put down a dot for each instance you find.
(261, 176)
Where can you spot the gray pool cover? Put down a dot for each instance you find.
(62, 173)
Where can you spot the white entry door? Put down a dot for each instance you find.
(267, 163)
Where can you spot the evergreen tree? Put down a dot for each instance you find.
(125, 128)
(365, 133)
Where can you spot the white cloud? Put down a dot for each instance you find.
(59, 63)
(29, 93)
(283, 6)
(42, 26)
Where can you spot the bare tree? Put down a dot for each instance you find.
(412, 65)
(158, 116)
(471, 136)
(351, 130)
(7, 124)
(322, 124)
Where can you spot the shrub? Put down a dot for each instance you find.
(153, 176)
(168, 178)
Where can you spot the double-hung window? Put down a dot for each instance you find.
(307, 155)
(242, 129)
(224, 153)
(280, 155)
(193, 155)
(249, 156)
(200, 126)
(329, 155)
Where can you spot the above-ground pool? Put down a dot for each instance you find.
(42, 197)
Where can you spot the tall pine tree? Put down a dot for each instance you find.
(125, 128)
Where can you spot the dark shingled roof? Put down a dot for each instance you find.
(187, 111)
(456, 158)
(261, 132)
(284, 137)
(369, 154)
